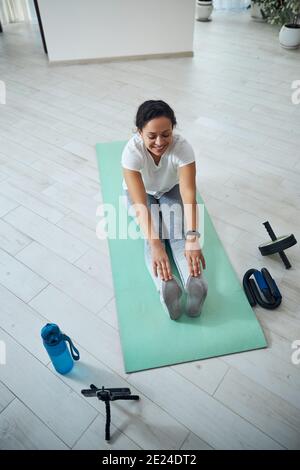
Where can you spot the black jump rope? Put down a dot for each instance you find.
(107, 395)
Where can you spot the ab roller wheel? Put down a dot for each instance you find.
(277, 245)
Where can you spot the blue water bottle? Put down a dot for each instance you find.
(55, 343)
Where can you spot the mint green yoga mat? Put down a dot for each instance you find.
(149, 338)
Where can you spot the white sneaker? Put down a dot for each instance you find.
(170, 296)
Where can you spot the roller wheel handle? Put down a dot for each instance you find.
(290, 241)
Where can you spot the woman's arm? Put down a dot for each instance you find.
(138, 196)
(137, 192)
(187, 187)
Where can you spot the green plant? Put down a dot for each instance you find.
(280, 11)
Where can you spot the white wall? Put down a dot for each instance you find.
(87, 29)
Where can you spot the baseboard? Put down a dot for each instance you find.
(99, 60)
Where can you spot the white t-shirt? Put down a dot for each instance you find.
(158, 179)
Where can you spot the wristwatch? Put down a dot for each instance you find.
(193, 233)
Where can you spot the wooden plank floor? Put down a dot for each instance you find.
(233, 102)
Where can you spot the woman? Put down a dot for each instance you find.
(159, 182)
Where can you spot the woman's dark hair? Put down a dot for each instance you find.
(152, 109)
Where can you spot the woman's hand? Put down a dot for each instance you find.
(194, 257)
(160, 261)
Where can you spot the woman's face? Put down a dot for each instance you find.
(157, 135)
